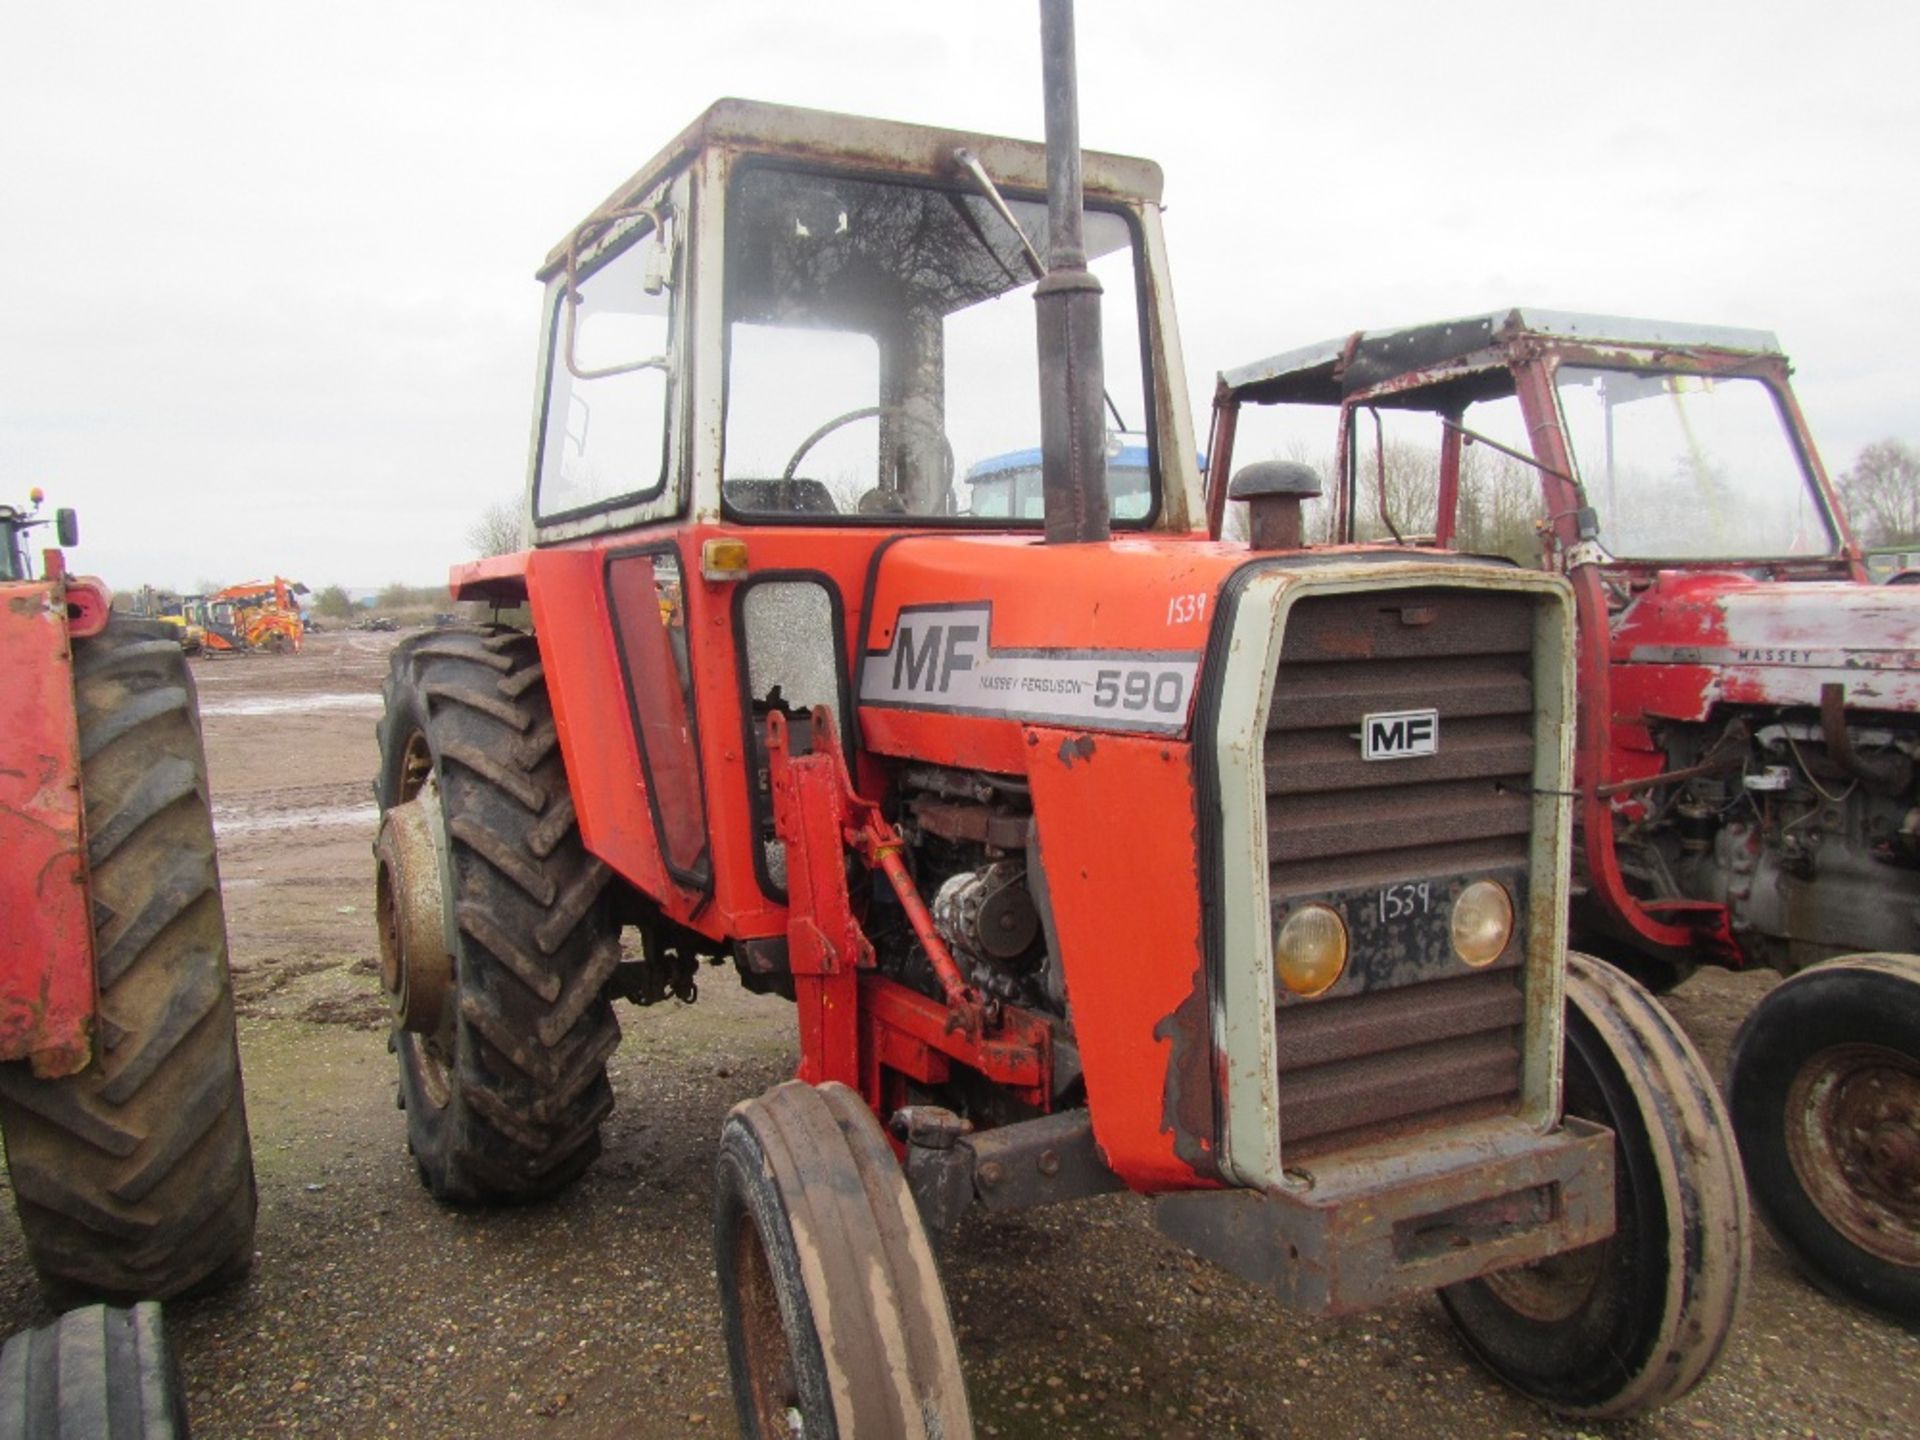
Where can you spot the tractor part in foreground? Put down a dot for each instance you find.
(1824, 1087)
(46, 966)
(97, 1373)
(133, 1173)
(495, 940)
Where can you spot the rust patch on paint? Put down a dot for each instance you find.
(1187, 1102)
(1080, 747)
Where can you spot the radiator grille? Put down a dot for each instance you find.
(1434, 1042)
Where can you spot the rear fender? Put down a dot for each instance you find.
(47, 995)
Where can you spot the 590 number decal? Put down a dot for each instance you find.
(1164, 691)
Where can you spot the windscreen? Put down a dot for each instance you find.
(881, 359)
(1689, 467)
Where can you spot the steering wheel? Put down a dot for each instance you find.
(872, 412)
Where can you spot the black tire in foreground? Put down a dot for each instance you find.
(98, 1373)
(836, 1322)
(504, 1100)
(1824, 1088)
(134, 1178)
(1637, 1320)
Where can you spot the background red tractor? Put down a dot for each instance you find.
(1749, 713)
(1093, 854)
(126, 1136)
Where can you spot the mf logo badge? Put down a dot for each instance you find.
(1399, 734)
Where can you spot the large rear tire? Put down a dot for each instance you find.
(1637, 1320)
(94, 1374)
(837, 1325)
(134, 1178)
(504, 1099)
(1824, 1088)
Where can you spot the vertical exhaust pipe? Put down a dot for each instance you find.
(1073, 452)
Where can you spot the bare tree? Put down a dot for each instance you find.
(1882, 493)
(497, 531)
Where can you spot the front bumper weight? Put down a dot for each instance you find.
(1373, 1225)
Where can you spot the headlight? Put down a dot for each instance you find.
(1482, 922)
(1310, 950)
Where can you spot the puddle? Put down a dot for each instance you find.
(291, 704)
(324, 818)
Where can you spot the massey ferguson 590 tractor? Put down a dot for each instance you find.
(120, 1099)
(1093, 854)
(1749, 705)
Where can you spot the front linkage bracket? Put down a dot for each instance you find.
(820, 817)
(1014, 1167)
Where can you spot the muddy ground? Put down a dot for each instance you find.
(373, 1311)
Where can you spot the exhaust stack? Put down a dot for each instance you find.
(1073, 455)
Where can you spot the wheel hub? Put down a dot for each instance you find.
(1853, 1136)
(416, 969)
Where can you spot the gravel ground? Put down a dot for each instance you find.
(373, 1311)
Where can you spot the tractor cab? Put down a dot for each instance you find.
(1654, 445)
(14, 525)
(844, 310)
(13, 559)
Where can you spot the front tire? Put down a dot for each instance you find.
(836, 1322)
(1824, 1088)
(504, 1099)
(134, 1178)
(1635, 1321)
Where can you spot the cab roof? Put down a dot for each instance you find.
(1326, 373)
(857, 142)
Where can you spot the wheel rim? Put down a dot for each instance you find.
(770, 1370)
(422, 1053)
(428, 1068)
(1552, 1290)
(416, 764)
(1853, 1138)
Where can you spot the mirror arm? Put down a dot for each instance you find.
(584, 234)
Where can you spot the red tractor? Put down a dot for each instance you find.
(1093, 854)
(120, 1101)
(1749, 703)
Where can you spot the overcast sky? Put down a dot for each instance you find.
(265, 268)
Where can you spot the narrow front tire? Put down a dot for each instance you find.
(1635, 1321)
(837, 1326)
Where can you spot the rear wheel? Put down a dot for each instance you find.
(1637, 1320)
(134, 1178)
(1824, 1087)
(94, 1374)
(503, 1043)
(836, 1322)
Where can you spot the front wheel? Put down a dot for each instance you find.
(1824, 1086)
(1637, 1320)
(836, 1322)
